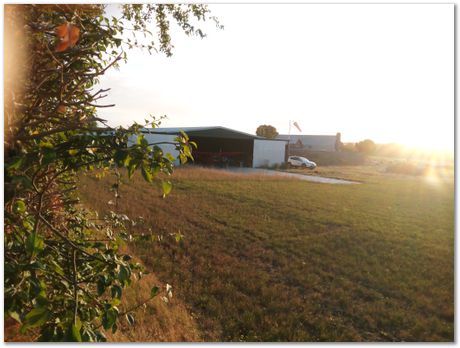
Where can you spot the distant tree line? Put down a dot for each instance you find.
(369, 147)
(366, 146)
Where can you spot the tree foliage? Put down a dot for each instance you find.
(366, 146)
(64, 274)
(266, 131)
(348, 147)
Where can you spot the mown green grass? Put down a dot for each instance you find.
(287, 260)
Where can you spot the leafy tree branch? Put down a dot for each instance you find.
(64, 274)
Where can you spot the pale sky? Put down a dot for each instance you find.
(378, 71)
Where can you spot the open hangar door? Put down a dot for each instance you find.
(222, 152)
(217, 146)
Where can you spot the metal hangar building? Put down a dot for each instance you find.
(220, 146)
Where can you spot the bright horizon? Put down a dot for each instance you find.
(369, 71)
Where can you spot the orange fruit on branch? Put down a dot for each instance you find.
(68, 35)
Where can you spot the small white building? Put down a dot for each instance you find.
(220, 146)
(268, 153)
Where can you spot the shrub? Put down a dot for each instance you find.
(64, 274)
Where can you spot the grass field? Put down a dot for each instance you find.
(374, 173)
(275, 259)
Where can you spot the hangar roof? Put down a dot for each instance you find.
(210, 132)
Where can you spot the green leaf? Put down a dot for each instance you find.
(187, 151)
(167, 186)
(19, 207)
(27, 225)
(183, 158)
(100, 286)
(115, 301)
(49, 156)
(127, 160)
(184, 135)
(73, 152)
(154, 291)
(45, 145)
(124, 274)
(146, 174)
(15, 163)
(34, 243)
(131, 168)
(15, 316)
(41, 298)
(130, 318)
(116, 291)
(76, 331)
(57, 268)
(109, 318)
(120, 157)
(178, 237)
(23, 180)
(36, 317)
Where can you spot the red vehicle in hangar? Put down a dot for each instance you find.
(220, 159)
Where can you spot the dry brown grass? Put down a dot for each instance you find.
(356, 173)
(210, 174)
(158, 321)
(270, 259)
(12, 334)
(372, 173)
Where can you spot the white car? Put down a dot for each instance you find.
(297, 161)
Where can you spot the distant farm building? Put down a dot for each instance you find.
(312, 142)
(220, 146)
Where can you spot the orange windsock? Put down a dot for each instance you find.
(297, 126)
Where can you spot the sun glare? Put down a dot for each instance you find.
(428, 141)
(431, 176)
(440, 168)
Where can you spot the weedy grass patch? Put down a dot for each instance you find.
(274, 259)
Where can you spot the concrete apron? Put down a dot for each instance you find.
(313, 178)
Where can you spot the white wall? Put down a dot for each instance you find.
(268, 152)
(158, 138)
